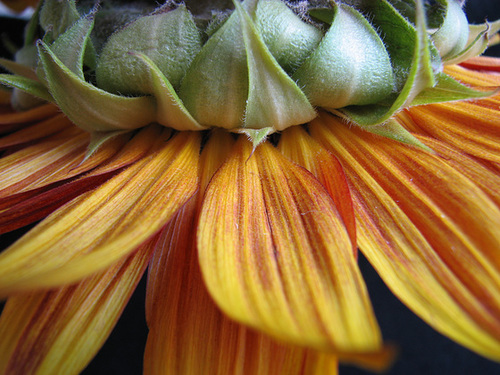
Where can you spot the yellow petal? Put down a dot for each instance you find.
(101, 226)
(471, 128)
(35, 114)
(45, 194)
(188, 334)
(58, 332)
(482, 65)
(276, 256)
(29, 165)
(302, 149)
(476, 170)
(37, 131)
(431, 232)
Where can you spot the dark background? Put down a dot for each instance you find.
(422, 351)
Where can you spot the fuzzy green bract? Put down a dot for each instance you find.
(255, 69)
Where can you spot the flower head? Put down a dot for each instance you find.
(244, 158)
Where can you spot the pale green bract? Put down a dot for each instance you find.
(258, 70)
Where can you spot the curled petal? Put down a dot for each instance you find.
(302, 149)
(452, 123)
(122, 214)
(430, 231)
(13, 120)
(275, 254)
(188, 333)
(60, 331)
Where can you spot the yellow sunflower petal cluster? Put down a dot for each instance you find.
(250, 251)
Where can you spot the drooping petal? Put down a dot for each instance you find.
(483, 63)
(431, 232)
(34, 204)
(36, 131)
(275, 254)
(59, 331)
(473, 77)
(302, 149)
(99, 227)
(13, 120)
(188, 333)
(32, 164)
(471, 128)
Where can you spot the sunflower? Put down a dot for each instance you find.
(239, 154)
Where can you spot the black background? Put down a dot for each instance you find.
(422, 351)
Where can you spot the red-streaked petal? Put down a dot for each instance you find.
(471, 128)
(472, 77)
(483, 63)
(479, 171)
(275, 254)
(298, 146)
(37, 131)
(188, 334)
(27, 207)
(29, 167)
(431, 233)
(59, 331)
(178, 235)
(101, 226)
(13, 120)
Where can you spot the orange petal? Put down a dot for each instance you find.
(29, 206)
(483, 63)
(298, 146)
(99, 227)
(188, 334)
(31, 167)
(275, 254)
(13, 120)
(431, 232)
(475, 169)
(472, 77)
(471, 128)
(58, 332)
(37, 131)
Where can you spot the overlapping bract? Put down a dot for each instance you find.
(261, 70)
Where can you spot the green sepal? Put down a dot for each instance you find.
(59, 19)
(215, 87)
(274, 99)
(170, 109)
(30, 31)
(170, 39)
(28, 57)
(420, 77)
(401, 44)
(479, 38)
(56, 17)
(447, 89)
(235, 82)
(19, 69)
(325, 15)
(452, 35)
(70, 46)
(394, 130)
(256, 136)
(350, 66)
(98, 139)
(89, 107)
(289, 39)
(27, 85)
